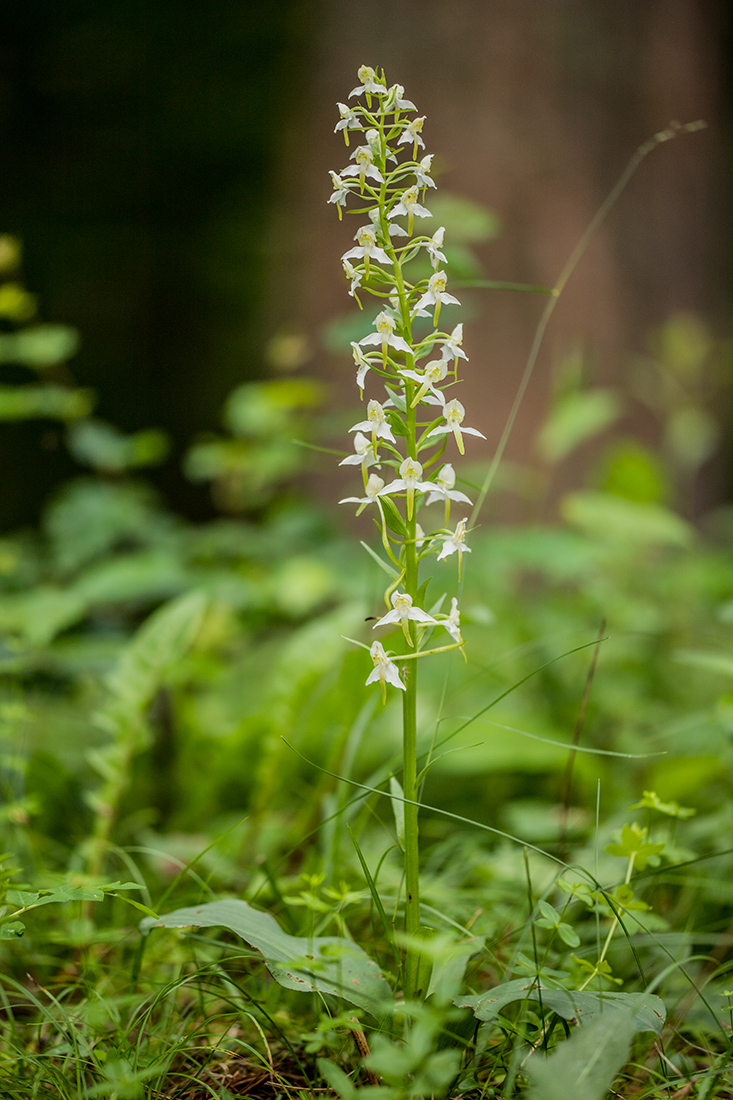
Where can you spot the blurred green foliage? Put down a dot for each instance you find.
(177, 699)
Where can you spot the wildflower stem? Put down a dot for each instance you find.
(409, 783)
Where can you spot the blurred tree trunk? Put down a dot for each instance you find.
(534, 110)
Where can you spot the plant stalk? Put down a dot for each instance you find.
(409, 787)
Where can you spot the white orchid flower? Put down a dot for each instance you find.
(340, 192)
(452, 345)
(411, 207)
(396, 102)
(385, 336)
(408, 483)
(454, 413)
(372, 490)
(353, 276)
(363, 456)
(369, 83)
(436, 294)
(367, 248)
(411, 135)
(421, 171)
(402, 612)
(363, 365)
(456, 544)
(429, 380)
(376, 423)
(453, 625)
(434, 245)
(385, 671)
(442, 489)
(350, 120)
(365, 166)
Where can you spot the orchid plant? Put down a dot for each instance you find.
(412, 361)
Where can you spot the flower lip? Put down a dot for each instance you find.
(376, 423)
(454, 413)
(369, 82)
(402, 612)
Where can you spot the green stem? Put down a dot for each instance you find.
(409, 785)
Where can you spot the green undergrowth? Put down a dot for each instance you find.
(216, 752)
(202, 891)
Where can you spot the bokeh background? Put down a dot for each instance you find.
(165, 164)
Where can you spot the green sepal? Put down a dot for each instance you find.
(392, 517)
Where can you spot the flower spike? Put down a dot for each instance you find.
(417, 372)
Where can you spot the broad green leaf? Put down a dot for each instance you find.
(634, 473)
(585, 1005)
(581, 1006)
(337, 1079)
(143, 575)
(624, 894)
(568, 935)
(265, 409)
(104, 447)
(12, 931)
(398, 397)
(549, 914)
(576, 418)
(628, 522)
(27, 899)
(487, 1006)
(39, 614)
(699, 658)
(47, 402)
(16, 303)
(40, 346)
(329, 964)
(90, 517)
(584, 1067)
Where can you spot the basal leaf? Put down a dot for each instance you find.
(329, 964)
(649, 1011)
(579, 1006)
(487, 1006)
(12, 931)
(584, 1067)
